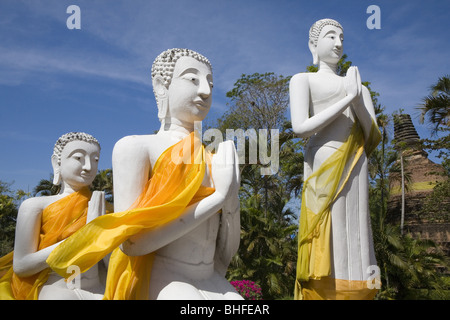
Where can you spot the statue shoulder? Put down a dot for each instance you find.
(35, 206)
(301, 78)
(132, 146)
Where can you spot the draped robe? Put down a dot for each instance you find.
(59, 220)
(320, 191)
(172, 187)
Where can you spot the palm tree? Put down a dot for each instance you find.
(408, 266)
(268, 250)
(436, 106)
(46, 188)
(104, 182)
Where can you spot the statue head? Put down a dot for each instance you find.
(75, 159)
(167, 66)
(321, 29)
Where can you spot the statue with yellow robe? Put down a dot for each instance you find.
(176, 223)
(335, 256)
(45, 222)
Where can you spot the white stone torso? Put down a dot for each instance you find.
(351, 244)
(197, 246)
(326, 89)
(184, 268)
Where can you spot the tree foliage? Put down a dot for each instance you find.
(268, 249)
(9, 202)
(410, 267)
(436, 106)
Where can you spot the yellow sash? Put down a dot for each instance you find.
(320, 190)
(172, 187)
(59, 220)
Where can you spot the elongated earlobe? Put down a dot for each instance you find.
(57, 178)
(161, 96)
(162, 108)
(312, 48)
(56, 170)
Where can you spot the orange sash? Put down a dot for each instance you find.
(59, 220)
(173, 186)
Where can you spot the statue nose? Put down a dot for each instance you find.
(204, 89)
(87, 164)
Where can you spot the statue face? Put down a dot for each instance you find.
(330, 44)
(189, 92)
(79, 163)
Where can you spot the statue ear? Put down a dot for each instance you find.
(56, 170)
(313, 49)
(161, 95)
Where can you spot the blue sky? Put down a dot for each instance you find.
(97, 79)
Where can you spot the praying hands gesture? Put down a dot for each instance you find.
(96, 207)
(352, 83)
(225, 170)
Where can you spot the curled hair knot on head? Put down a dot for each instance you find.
(69, 137)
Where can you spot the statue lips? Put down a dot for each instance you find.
(200, 103)
(86, 176)
(337, 52)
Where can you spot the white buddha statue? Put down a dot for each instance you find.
(337, 116)
(176, 223)
(45, 222)
(192, 253)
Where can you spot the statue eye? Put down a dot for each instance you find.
(190, 78)
(77, 156)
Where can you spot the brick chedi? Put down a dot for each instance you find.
(422, 175)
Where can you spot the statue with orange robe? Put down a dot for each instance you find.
(45, 222)
(176, 224)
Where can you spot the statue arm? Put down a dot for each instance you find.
(131, 168)
(28, 260)
(299, 93)
(365, 111)
(229, 235)
(192, 217)
(195, 214)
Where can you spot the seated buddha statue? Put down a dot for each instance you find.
(45, 222)
(176, 223)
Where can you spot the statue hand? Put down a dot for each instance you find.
(96, 206)
(225, 169)
(352, 82)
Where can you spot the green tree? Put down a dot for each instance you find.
(267, 254)
(9, 203)
(435, 110)
(104, 182)
(408, 266)
(436, 106)
(46, 188)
